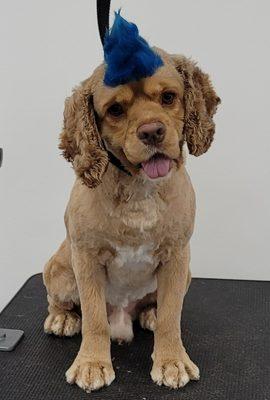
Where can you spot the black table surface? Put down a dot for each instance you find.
(225, 328)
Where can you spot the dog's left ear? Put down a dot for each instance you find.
(200, 102)
(80, 140)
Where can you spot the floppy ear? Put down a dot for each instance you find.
(80, 140)
(200, 102)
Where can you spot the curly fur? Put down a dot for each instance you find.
(80, 140)
(201, 103)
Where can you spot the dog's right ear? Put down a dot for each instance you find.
(80, 140)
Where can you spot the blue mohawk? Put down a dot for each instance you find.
(127, 55)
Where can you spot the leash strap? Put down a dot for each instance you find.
(117, 163)
(103, 15)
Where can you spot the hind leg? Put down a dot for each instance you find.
(148, 318)
(147, 311)
(62, 296)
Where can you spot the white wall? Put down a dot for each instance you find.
(47, 47)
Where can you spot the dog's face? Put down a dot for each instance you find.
(143, 123)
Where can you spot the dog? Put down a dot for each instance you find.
(131, 212)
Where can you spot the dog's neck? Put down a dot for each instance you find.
(119, 187)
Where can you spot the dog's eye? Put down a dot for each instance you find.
(168, 97)
(116, 110)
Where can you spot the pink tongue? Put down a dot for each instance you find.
(156, 167)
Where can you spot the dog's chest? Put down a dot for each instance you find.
(130, 275)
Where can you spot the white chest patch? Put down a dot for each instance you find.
(130, 276)
(129, 257)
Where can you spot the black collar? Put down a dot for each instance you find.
(117, 163)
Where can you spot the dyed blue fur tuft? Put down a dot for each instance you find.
(128, 56)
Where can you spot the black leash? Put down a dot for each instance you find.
(117, 163)
(103, 16)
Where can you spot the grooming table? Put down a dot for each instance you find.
(225, 328)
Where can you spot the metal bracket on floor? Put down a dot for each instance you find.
(9, 338)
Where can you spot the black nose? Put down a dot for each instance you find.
(151, 134)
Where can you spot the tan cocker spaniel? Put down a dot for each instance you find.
(130, 217)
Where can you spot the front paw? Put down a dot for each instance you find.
(174, 373)
(90, 375)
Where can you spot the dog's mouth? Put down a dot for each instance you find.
(158, 166)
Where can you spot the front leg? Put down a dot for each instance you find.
(92, 368)
(171, 364)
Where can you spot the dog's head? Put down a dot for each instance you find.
(143, 122)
